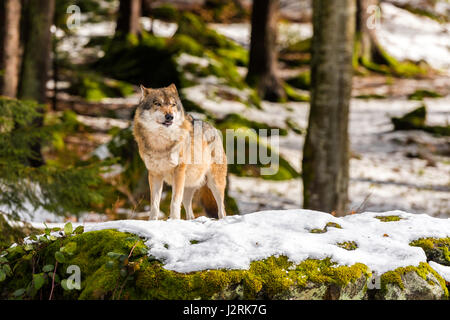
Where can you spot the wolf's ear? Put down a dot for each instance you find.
(144, 91)
(172, 88)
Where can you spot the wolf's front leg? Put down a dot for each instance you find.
(156, 186)
(177, 191)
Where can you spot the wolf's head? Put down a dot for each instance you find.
(160, 106)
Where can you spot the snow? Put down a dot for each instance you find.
(382, 176)
(444, 271)
(408, 36)
(236, 241)
(404, 35)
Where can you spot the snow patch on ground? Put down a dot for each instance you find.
(408, 36)
(236, 241)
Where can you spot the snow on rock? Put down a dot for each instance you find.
(444, 271)
(236, 241)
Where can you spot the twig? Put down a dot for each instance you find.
(53, 281)
(131, 252)
(126, 279)
(363, 204)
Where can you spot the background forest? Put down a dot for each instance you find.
(69, 85)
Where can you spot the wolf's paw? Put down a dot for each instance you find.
(156, 214)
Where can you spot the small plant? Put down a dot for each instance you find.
(16, 256)
(126, 267)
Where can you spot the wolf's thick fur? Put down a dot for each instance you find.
(174, 152)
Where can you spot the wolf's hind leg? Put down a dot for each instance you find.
(187, 202)
(156, 186)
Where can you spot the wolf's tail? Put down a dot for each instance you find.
(208, 202)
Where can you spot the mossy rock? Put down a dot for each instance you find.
(412, 283)
(370, 96)
(437, 250)
(147, 60)
(235, 121)
(116, 265)
(415, 120)
(412, 120)
(94, 87)
(302, 81)
(165, 12)
(423, 93)
(103, 276)
(293, 94)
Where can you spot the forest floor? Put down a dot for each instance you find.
(389, 170)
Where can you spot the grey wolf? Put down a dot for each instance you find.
(176, 152)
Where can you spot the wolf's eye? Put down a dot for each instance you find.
(156, 103)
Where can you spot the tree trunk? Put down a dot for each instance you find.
(128, 18)
(263, 52)
(10, 12)
(37, 20)
(326, 151)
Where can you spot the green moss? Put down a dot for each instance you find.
(325, 229)
(294, 126)
(301, 46)
(437, 250)
(94, 87)
(348, 245)
(386, 64)
(235, 121)
(302, 81)
(185, 43)
(423, 93)
(423, 270)
(165, 11)
(370, 96)
(149, 60)
(388, 218)
(415, 120)
(325, 271)
(293, 95)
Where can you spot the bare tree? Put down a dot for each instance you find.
(325, 162)
(128, 17)
(263, 53)
(10, 12)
